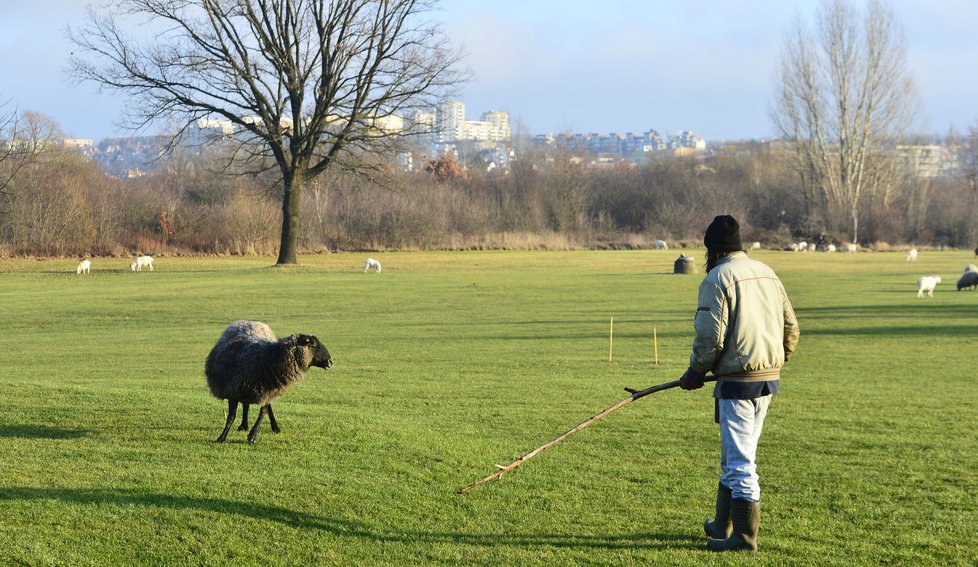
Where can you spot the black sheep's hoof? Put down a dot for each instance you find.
(219, 440)
(243, 427)
(252, 439)
(276, 430)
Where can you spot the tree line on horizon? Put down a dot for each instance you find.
(62, 204)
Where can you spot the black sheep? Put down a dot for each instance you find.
(249, 365)
(968, 280)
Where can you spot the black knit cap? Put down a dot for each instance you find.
(723, 235)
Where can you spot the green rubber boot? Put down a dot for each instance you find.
(719, 527)
(746, 516)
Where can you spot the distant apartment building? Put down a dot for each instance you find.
(388, 123)
(447, 124)
(498, 124)
(452, 126)
(423, 123)
(207, 130)
(929, 161)
(684, 139)
(605, 144)
(449, 117)
(78, 143)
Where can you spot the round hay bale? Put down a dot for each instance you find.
(685, 265)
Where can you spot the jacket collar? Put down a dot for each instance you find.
(731, 256)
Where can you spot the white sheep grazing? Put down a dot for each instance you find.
(912, 254)
(927, 284)
(661, 245)
(852, 248)
(83, 267)
(755, 246)
(830, 248)
(371, 263)
(791, 247)
(802, 246)
(971, 268)
(139, 262)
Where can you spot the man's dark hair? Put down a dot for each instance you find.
(714, 256)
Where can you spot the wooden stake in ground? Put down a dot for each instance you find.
(655, 346)
(636, 394)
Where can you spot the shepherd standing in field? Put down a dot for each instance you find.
(745, 331)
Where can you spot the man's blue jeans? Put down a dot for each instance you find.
(741, 422)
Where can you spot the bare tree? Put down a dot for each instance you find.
(844, 93)
(307, 84)
(23, 138)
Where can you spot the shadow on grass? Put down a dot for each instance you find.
(348, 528)
(125, 270)
(40, 432)
(921, 319)
(893, 331)
(924, 307)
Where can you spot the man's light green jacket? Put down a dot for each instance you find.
(745, 326)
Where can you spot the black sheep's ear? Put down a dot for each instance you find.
(306, 340)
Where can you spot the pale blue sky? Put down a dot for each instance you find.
(569, 65)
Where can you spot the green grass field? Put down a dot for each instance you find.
(447, 364)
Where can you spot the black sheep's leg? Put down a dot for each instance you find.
(271, 418)
(253, 435)
(232, 410)
(244, 418)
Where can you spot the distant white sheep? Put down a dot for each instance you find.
(371, 263)
(852, 248)
(830, 247)
(802, 246)
(755, 245)
(661, 245)
(971, 268)
(140, 262)
(912, 254)
(83, 267)
(927, 284)
(791, 247)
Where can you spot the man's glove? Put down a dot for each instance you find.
(691, 380)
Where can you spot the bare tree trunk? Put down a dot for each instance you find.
(289, 243)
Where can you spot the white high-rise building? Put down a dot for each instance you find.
(423, 122)
(424, 126)
(498, 124)
(450, 117)
(206, 131)
(452, 125)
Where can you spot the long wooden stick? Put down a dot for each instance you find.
(636, 394)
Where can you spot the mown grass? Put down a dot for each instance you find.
(447, 364)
